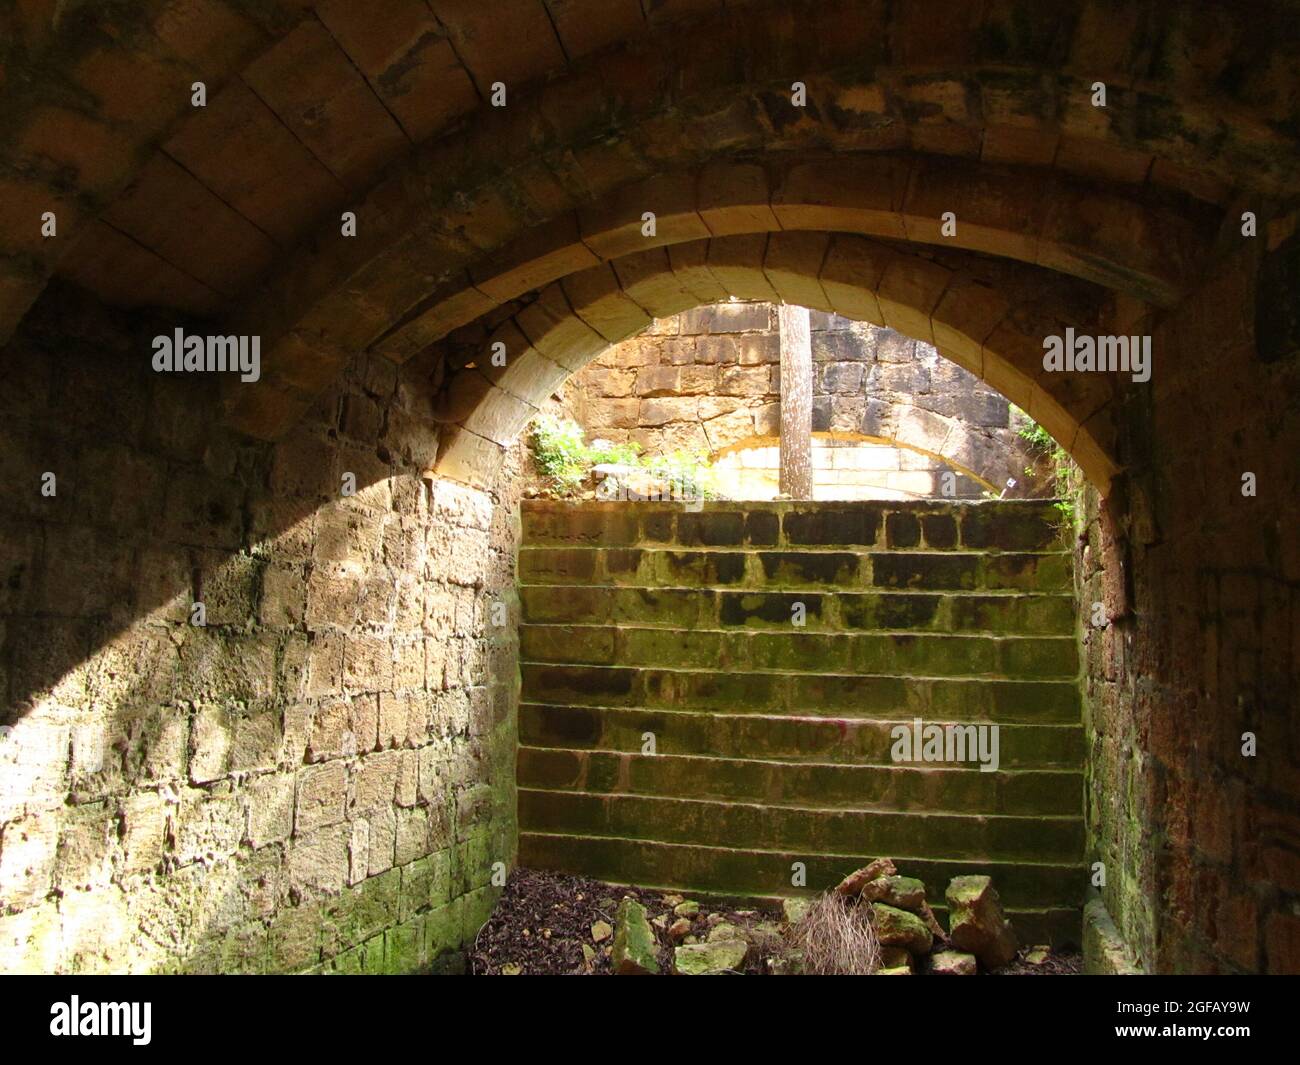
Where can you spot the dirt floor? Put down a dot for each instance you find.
(544, 920)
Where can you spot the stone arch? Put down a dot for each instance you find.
(896, 441)
(998, 82)
(1196, 578)
(1147, 251)
(646, 108)
(616, 99)
(989, 321)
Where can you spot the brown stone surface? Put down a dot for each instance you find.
(709, 368)
(341, 717)
(1124, 216)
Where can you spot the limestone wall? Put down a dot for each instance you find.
(709, 381)
(320, 776)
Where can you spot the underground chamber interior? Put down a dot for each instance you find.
(461, 460)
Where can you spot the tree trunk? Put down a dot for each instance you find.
(796, 403)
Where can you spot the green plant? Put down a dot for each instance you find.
(560, 452)
(566, 460)
(1065, 473)
(687, 472)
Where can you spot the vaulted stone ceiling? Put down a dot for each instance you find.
(613, 107)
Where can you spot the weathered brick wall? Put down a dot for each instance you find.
(1201, 643)
(318, 778)
(709, 381)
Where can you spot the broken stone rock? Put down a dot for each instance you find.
(904, 892)
(701, 959)
(899, 928)
(725, 930)
(932, 923)
(952, 963)
(851, 886)
(794, 909)
(635, 951)
(976, 923)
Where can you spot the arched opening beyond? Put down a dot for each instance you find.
(849, 441)
(988, 317)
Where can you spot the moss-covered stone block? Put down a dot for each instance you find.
(635, 951)
(477, 909)
(1049, 657)
(444, 928)
(939, 531)
(832, 525)
(405, 947)
(769, 609)
(671, 648)
(579, 644)
(700, 568)
(574, 604)
(810, 568)
(899, 928)
(711, 529)
(902, 531)
(879, 612)
(925, 572)
(681, 608)
(1014, 526)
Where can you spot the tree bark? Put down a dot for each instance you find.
(796, 480)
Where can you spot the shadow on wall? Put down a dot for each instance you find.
(323, 769)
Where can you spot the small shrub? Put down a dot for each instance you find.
(1067, 477)
(566, 460)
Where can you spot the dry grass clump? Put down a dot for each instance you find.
(836, 938)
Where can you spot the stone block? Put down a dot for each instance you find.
(321, 796)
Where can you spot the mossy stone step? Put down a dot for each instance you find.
(814, 831)
(696, 608)
(806, 570)
(914, 654)
(806, 695)
(766, 872)
(790, 739)
(897, 788)
(995, 525)
(774, 739)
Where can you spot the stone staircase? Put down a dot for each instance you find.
(651, 623)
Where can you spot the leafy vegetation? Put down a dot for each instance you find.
(1066, 475)
(566, 460)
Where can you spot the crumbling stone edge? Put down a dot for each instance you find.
(1104, 951)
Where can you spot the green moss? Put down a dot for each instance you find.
(404, 947)
(634, 950)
